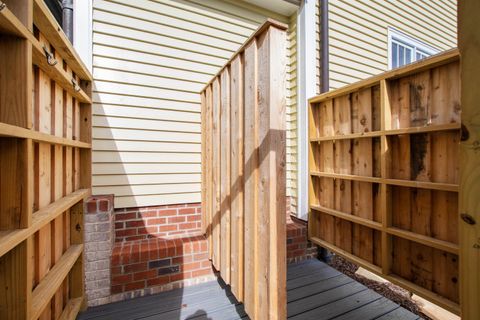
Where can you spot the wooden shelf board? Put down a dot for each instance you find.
(432, 242)
(393, 182)
(393, 132)
(72, 309)
(7, 130)
(445, 303)
(10, 25)
(437, 299)
(416, 67)
(345, 177)
(49, 285)
(347, 255)
(11, 238)
(425, 240)
(44, 20)
(56, 72)
(347, 216)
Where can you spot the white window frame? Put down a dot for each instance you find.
(408, 41)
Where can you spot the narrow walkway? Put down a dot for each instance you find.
(315, 291)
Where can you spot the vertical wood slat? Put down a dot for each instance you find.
(16, 166)
(216, 209)
(417, 97)
(468, 42)
(247, 216)
(236, 172)
(225, 143)
(385, 159)
(250, 175)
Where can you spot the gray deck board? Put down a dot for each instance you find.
(314, 291)
(371, 310)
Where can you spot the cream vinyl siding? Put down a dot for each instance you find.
(317, 44)
(358, 33)
(291, 115)
(150, 61)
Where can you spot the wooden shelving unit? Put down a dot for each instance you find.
(384, 175)
(45, 165)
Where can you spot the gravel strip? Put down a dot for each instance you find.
(388, 290)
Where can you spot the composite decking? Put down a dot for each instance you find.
(315, 291)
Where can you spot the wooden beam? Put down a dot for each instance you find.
(16, 282)
(47, 24)
(421, 65)
(7, 130)
(394, 182)
(72, 309)
(374, 134)
(469, 233)
(11, 238)
(45, 290)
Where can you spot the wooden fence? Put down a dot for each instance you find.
(44, 165)
(243, 172)
(384, 163)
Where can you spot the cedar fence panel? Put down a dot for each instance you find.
(243, 176)
(384, 174)
(45, 141)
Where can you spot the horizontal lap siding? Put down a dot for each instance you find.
(291, 115)
(150, 61)
(358, 33)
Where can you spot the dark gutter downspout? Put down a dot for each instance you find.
(324, 48)
(323, 253)
(67, 6)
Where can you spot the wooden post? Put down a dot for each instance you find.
(76, 237)
(245, 144)
(469, 45)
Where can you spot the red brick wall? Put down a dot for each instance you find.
(170, 221)
(139, 266)
(298, 247)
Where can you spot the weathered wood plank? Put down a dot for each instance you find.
(236, 176)
(216, 254)
(250, 174)
(225, 164)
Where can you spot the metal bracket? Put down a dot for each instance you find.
(2, 5)
(76, 87)
(50, 59)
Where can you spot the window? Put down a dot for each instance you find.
(403, 49)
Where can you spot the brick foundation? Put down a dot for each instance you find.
(171, 221)
(139, 251)
(99, 239)
(144, 267)
(298, 247)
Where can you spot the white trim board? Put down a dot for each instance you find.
(82, 30)
(306, 55)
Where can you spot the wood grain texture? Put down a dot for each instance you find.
(42, 164)
(469, 179)
(225, 159)
(246, 228)
(237, 176)
(394, 176)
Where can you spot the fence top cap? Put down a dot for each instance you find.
(268, 23)
(416, 67)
